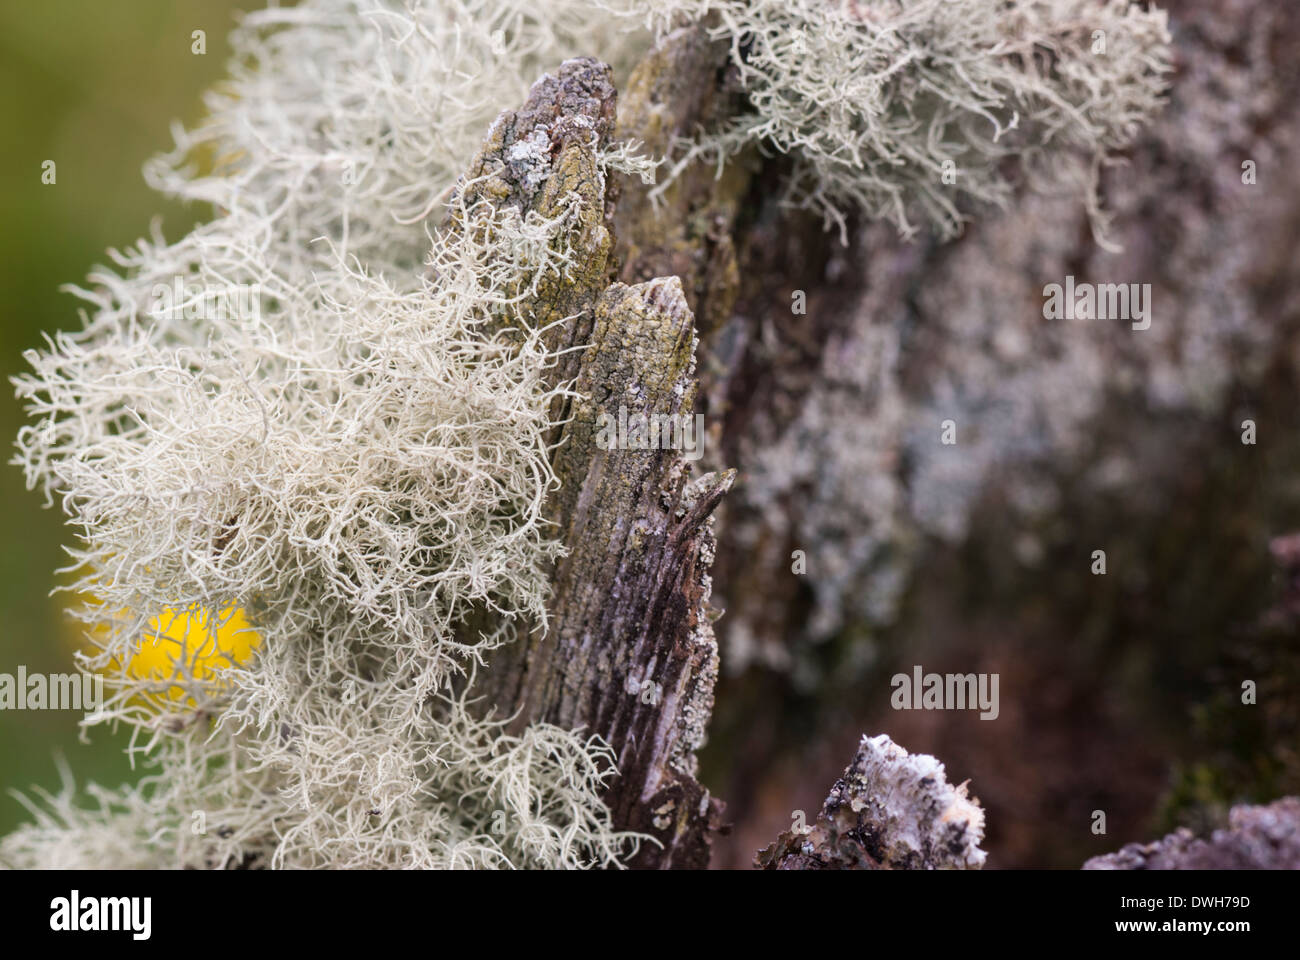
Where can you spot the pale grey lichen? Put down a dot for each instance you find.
(895, 109)
(357, 464)
(890, 810)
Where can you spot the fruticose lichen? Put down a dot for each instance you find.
(895, 108)
(355, 462)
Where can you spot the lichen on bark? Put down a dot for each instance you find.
(890, 811)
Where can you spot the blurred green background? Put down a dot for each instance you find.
(93, 86)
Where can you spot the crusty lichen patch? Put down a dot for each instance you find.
(890, 811)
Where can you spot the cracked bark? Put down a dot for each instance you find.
(628, 653)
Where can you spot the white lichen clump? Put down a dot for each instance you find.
(899, 109)
(913, 811)
(353, 460)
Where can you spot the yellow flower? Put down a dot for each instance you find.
(191, 641)
(181, 642)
